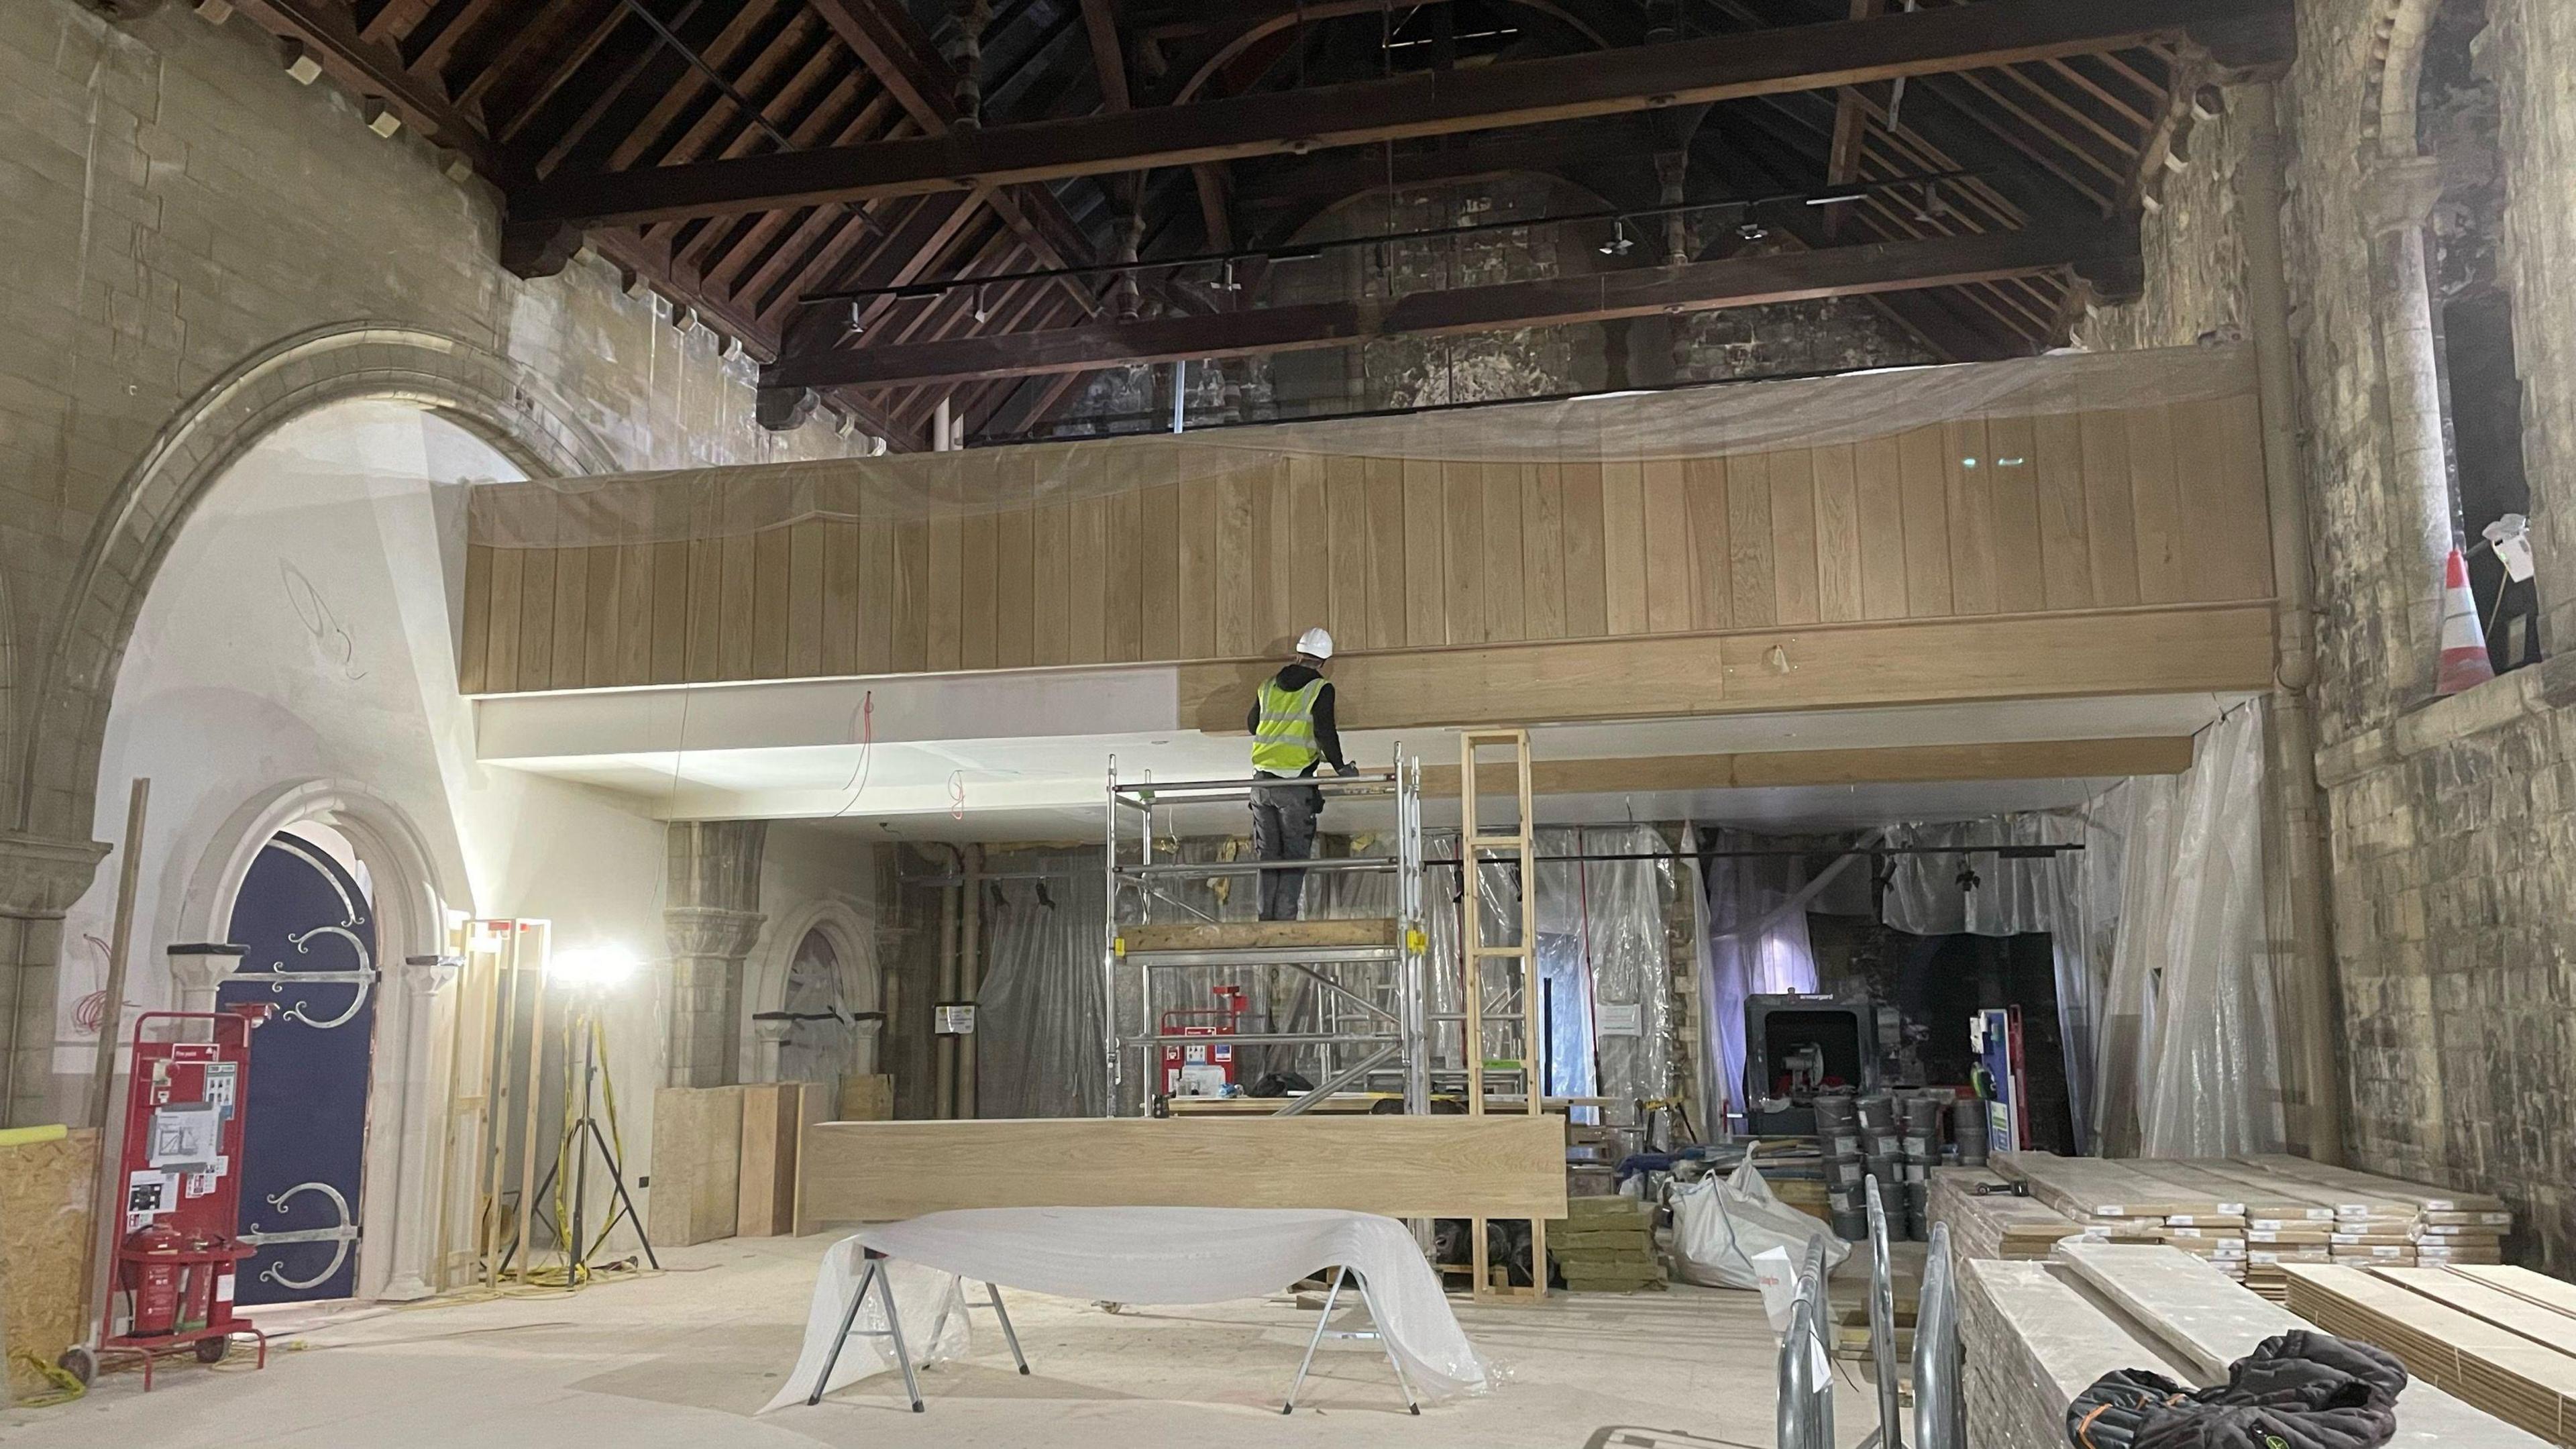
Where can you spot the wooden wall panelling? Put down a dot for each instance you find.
(840, 617)
(1837, 535)
(1199, 575)
(1015, 588)
(1462, 502)
(1231, 580)
(1389, 607)
(979, 581)
(1793, 536)
(1922, 661)
(2218, 465)
(1159, 573)
(1879, 483)
(1894, 764)
(772, 570)
(1623, 545)
(876, 595)
(1671, 584)
(912, 595)
(1712, 571)
(1970, 503)
(1923, 474)
(602, 621)
(736, 554)
(1273, 520)
(1051, 630)
(1308, 524)
(537, 620)
(1123, 589)
(632, 663)
(2065, 553)
(666, 653)
(2158, 504)
(2020, 570)
(806, 579)
(702, 582)
(473, 644)
(1543, 602)
(1086, 579)
(1748, 535)
(2110, 515)
(1506, 566)
(944, 597)
(1344, 527)
(1587, 601)
(1498, 1166)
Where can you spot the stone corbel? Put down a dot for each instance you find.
(2399, 193)
(40, 877)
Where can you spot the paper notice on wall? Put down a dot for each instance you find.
(149, 1194)
(1620, 1018)
(957, 1019)
(222, 1079)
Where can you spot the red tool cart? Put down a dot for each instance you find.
(179, 1185)
(1203, 1068)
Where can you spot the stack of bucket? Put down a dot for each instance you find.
(1968, 1129)
(1922, 1153)
(1882, 1144)
(1838, 1136)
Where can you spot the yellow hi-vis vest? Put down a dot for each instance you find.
(1285, 742)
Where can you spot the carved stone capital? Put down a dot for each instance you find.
(711, 931)
(199, 969)
(2399, 193)
(41, 876)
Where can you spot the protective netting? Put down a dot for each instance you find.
(1700, 422)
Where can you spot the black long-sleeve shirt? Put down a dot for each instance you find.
(1327, 738)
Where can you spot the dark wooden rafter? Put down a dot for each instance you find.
(1636, 292)
(1810, 57)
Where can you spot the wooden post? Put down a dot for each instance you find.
(111, 1006)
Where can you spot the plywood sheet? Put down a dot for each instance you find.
(695, 1195)
(45, 1190)
(1257, 935)
(772, 1118)
(1505, 1166)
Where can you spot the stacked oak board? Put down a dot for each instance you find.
(1606, 1245)
(2037, 1334)
(2254, 1218)
(1997, 1224)
(2503, 1339)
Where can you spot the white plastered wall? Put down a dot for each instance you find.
(298, 644)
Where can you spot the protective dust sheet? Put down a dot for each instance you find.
(1160, 1256)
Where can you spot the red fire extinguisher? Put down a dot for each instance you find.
(200, 1297)
(152, 1273)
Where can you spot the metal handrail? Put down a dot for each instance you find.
(1940, 1363)
(1803, 1417)
(1882, 1322)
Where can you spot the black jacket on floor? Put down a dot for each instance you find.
(2300, 1390)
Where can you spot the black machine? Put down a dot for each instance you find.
(1798, 1044)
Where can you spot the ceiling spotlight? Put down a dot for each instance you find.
(1932, 205)
(1752, 231)
(857, 321)
(1620, 243)
(1225, 281)
(982, 312)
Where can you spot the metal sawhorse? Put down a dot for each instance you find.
(1375, 1330)
(874, 1279)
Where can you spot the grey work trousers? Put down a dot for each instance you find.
(1283, 828)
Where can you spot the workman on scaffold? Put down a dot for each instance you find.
(1293, 735)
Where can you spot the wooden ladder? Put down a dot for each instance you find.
(1520, 847)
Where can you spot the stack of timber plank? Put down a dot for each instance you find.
(2503, 1339)
(1606, 1245)
(2254, 1218)
(2014, 1229)
(2197, 1315)
(2033, 1342)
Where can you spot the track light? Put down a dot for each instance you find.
(983, 314)
(857, 321)
(1620, 243)
(1752, 231)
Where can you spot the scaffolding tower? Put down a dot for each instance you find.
(1366, 977)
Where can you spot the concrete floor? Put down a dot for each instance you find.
(683, 1360)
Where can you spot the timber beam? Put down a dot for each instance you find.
(1648, 77)
(1748, 281)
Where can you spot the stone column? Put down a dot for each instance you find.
(198, 970)
(772, 1036)
(40, 878)
(2397, 201)
(420, 1181)
(712, 920)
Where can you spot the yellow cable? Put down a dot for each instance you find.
(67, 1386)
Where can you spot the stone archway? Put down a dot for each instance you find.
(2396, 75)
(61, 680)
(852, 940)
(75, 674)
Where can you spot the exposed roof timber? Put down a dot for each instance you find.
(1698, 286)
(1708, 69)
(328, 31)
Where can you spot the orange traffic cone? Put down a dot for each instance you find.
(2464, 643)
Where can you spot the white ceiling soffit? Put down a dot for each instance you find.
(1025, 756)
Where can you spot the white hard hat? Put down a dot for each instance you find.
(1315, 642)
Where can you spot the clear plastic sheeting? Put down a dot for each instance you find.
(1038, 1012)
(1153, 1256)
(1697, 422)
(1753, 939)
(2189, 1027)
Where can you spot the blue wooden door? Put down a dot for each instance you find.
(312, 954)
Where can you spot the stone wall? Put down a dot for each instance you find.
(199, 249)
(2452, 825)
